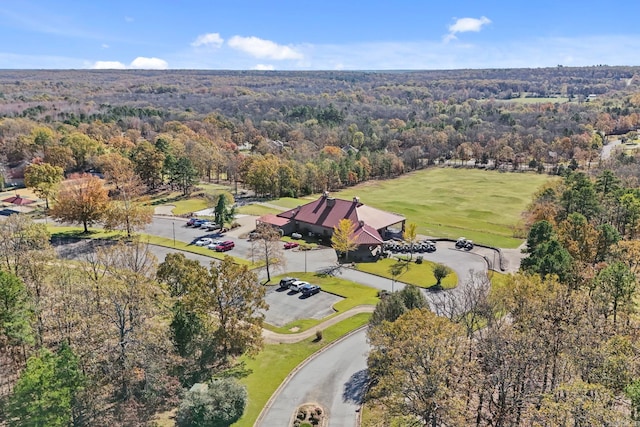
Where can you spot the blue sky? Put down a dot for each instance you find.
(317, 35)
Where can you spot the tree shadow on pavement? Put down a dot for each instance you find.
(355, 388)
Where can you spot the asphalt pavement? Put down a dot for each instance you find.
(333, 378)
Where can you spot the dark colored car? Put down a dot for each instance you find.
(198, 222)
(285, 282)
(308, 290)
(191, 222)
(225, 246)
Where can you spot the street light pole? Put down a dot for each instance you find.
(173, 223)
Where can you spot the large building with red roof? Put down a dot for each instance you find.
(322, 215)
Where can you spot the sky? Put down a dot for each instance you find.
(317, 35)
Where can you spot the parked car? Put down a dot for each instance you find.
(465, 244)
(212, 226)
(297, 285)
(225, 246)
(191, 222)
(206, 224)
(285, 282)
(308, 290)
(198, 222)
(214, 244)
(204, 241)
(291, 245)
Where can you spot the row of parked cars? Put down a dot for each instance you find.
(216, 245)
(295, 285)
(203, 223)
(403, 247)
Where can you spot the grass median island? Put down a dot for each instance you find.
(420, 275)
(273, 364)
(484, 206)
(354, 295)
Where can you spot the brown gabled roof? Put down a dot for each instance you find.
(325, 212)
(273, 220)
(328, 211)
(367, 235)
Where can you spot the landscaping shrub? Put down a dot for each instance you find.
(220, 404)
(419, 259)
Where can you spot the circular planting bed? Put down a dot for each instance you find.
(310, 415)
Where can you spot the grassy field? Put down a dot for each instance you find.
(273, 364)
(533, 100)
(484, 206)
(417, 274)
(258, 210)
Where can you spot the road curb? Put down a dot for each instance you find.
(295, 370)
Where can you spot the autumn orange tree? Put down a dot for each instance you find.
(83, 199)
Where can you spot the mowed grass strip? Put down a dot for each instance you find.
(269, 368)
(481, 205)
(420, 275)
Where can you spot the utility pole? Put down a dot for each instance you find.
(173, 223)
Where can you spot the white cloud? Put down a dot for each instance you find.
(260, 48)
(264, 67)
(128, 19)
(210, 39)
(108, 65)
(105, 46)
(142, 62)
(465, 25)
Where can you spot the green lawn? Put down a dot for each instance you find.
(417, 274)
(484, 206)
(290, 202)
(257, 210)
(354, 294)
(533, 100)
(273, 364)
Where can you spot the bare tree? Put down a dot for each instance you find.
(266, 246)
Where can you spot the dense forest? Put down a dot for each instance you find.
(318, 130)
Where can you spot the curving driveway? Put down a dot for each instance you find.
(333, 378)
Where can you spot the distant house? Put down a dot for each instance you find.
(322, 215)
(350, 149)
(277, 144)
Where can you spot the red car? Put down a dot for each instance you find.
(291, 245)
(225, 246)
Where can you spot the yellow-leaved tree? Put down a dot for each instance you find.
(344, 238)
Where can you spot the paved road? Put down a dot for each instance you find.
(605, 154)
(334, 379)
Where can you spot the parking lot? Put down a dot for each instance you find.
(286, 306)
